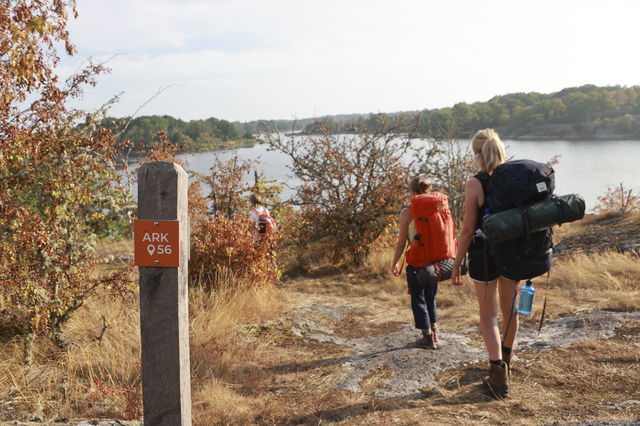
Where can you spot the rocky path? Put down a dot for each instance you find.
(396, 354)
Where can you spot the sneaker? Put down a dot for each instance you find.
(426, 342)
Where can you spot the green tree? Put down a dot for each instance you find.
(628, 124)
(580, 107)
(436, 123)
(551, 110)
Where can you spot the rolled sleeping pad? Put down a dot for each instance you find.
(513, 223)
(440, 271)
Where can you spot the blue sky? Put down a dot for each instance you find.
(282, 59)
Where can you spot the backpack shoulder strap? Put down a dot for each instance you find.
(484, 178)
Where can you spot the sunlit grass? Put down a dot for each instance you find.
(600, 271)
(97, 373)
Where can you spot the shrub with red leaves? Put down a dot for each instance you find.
(222, 245)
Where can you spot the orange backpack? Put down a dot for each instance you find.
(267, 226)
(435, 236)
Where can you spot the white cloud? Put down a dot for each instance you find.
(252, 59)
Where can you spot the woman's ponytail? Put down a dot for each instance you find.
(486, 144)
(419, 185)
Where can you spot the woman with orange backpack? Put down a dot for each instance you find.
(489, 153)
(426, 226)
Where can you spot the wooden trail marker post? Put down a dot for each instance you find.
(161, 238)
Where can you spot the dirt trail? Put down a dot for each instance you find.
(412, 370)
(366, 347)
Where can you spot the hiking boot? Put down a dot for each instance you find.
(426, 342)
(498, 381)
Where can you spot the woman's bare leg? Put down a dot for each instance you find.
(507, 289)
(486, 294)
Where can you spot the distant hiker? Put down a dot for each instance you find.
(427, 228)
(264, 226)
(489, 153)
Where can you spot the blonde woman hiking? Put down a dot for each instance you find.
(489, 153)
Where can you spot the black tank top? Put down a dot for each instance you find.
(483, 177)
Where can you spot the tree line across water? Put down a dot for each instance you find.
(586, 112)
(195, 135)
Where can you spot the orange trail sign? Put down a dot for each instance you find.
(156, 243)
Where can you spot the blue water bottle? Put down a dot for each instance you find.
(526, 298)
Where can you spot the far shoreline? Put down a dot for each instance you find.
(537, 138)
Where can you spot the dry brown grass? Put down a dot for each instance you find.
(97, 374)
(379, 263)
(562, 385)
(89, 377)
(114, 255)
(247, 368)
(585, 282)
(602, 271)
(225, 371)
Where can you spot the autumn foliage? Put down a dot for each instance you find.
(618, 200)
(57, 177)
(223, 246)
(353, 187)
(227, 189)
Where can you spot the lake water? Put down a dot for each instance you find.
(586, 168)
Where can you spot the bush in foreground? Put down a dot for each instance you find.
(57, 178)
(224, 246)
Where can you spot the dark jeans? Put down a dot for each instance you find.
(423, 301)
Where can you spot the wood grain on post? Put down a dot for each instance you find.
(164, 304)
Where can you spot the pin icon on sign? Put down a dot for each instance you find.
(151, 249)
